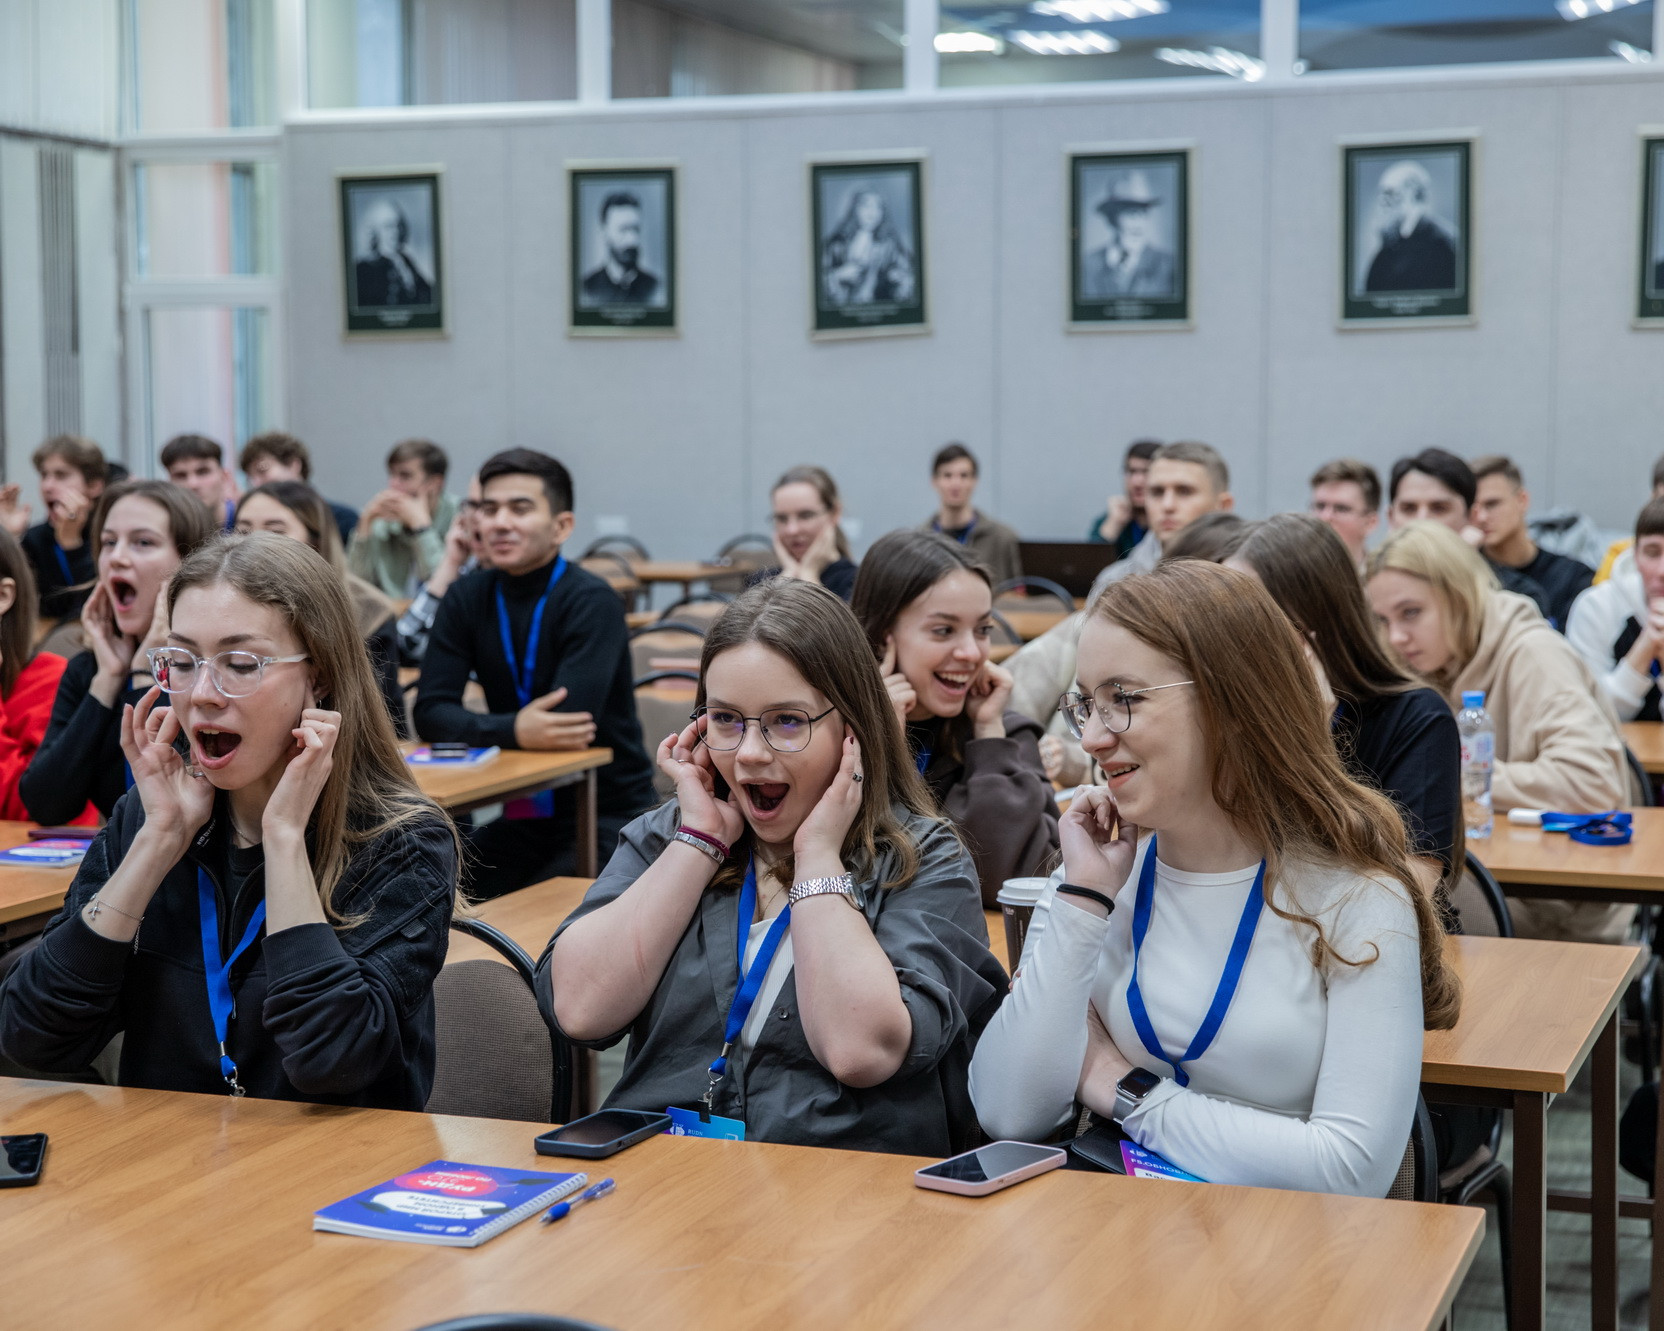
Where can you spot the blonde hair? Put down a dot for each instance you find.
(1458, 575)
(369, 791)
(1275, 771)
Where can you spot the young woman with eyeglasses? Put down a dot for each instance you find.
(809, 542)
(141, 531)
(1237, 959)
(802, 854)
(266, 915)
(926, 605)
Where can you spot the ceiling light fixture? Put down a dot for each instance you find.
(1216, 60)
(968, 43)
(1098, 11)
(1572, 10)
(1633, 54)
(1088, 42)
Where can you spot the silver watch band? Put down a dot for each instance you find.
(703, 847)
(843, 884)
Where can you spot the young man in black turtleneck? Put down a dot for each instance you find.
(548, 644)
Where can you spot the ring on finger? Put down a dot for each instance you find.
(857, 778)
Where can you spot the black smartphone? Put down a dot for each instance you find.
(21, 1159)
(597, 1136)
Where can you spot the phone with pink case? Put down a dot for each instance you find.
(989, 1168)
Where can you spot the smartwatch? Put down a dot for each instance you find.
(1130, 1092)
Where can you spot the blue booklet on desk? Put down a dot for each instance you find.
(428, 756)
(47, 853)
(455, 1205)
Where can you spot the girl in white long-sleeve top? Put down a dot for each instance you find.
(1237, 960)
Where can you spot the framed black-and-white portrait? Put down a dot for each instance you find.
(392, 258)
(1129, 239)
(1407, 239)
(1649, 303)
(623, 262)
(867, 238)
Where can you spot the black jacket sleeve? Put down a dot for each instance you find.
(449, 662)
(80, 758)
(341, 1005)
(383, 646)
(1002, 804)
(1423, 776)
(61, 1004)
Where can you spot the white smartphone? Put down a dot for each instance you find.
(989, 1168)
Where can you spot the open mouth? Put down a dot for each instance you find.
(1119, 773)
(216, 747)
(954, 684)
(766, 797)
(123, 593)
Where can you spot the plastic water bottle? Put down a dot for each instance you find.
(1478, 755)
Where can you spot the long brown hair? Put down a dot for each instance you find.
(370, 791)
(814, 630)
(17, 625)
(189, 521)
(371, 607)
(1276, 774)
(1310, 575)
(825, 487)
(897, 570)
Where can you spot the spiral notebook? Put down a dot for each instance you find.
(454, 1205)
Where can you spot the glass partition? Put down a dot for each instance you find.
(209, 372)
(1384, 34)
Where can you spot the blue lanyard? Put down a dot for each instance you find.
(220, 1003)
(1228, 981)
(230, 515)
(751, 981)
(922, 759)
(63, 563)
(964, 537)
(523, 671)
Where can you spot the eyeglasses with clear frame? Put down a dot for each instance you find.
(234, 674)
(785, 729)
(1115, 712)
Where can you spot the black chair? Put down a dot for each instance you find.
(700, 610)
(1418, 1172)
(1003, 630)
(612, 566)
(748, 541)
(1040, 586)
(512, 1322)
(1479, 903)
(612, 544)
(674, 638)
(660, 716)
(497, 1056)
(744, 555)
(1646, 798)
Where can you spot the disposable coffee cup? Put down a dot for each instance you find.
(1017, 898)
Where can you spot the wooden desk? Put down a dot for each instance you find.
(515, 773)
(194, 1211)
(640, 619)
(28, 896)
(1030, 624)
(1529, 862)
(1646, 741)
(686, 572)
(529, 916)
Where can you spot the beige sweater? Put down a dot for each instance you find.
(1557, 741)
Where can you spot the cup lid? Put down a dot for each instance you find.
(1021, 891)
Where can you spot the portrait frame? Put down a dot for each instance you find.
(1448, 161)
(1649, 276)
(1096, 174)
(591, 313)
(835, 183)
(418, 195)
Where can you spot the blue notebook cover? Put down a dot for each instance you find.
(457, 1206)
(47, 853)
(426, 757)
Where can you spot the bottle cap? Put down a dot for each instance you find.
(1474, 699)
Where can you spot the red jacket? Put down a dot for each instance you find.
(24, 713)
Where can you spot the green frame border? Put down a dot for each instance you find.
(1649, 294)
(1401, 307)
(426, 320)
(1131, 311)
(620, 320)
(912, 316)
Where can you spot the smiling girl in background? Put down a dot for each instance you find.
(142, 529)
(801, 850)
(266, 917)
(926, 606)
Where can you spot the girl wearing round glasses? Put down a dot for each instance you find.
(1237, 959)
(794, 941)
(141, 531)
(266, 915)
(294, 509)
(926, 605)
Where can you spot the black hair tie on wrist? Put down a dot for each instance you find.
(1070, 890)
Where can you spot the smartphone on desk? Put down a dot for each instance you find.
(597, 1136)
(990, 1168)
(21, 1159)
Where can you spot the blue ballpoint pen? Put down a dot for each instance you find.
(560, 1209)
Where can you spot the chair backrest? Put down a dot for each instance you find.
(1418, 1172)
(1035, 589)
(665, 646)
(698, 612)
(1640, 782)
(1479, 903)
(627, 547)
(663, 700)
(616, 571)
(745, 555)
(497, 1057)
(512, 1322)
(1003, 632)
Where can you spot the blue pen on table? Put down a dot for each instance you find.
(560, 1209)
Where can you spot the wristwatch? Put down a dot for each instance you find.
(1130, 1092)
(843, 884)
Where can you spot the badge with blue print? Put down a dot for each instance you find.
(689, 1123)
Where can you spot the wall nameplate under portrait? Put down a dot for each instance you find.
(1129, 238)
(1407, 237)
(392, 252)
(1649, 286)
(622, 272)
(866, 232)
